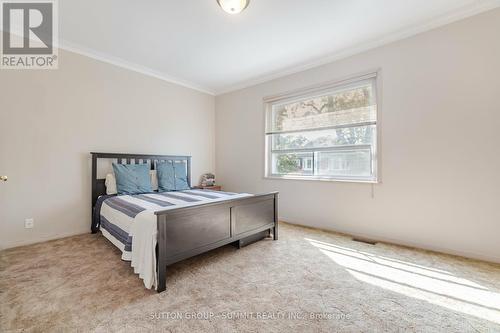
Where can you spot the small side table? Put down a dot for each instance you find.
(213, 188)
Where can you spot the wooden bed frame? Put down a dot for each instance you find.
(188, 231)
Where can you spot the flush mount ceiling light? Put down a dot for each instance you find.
(233, 6)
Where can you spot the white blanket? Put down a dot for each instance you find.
(134, 216)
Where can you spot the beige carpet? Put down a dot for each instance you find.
(308, 281)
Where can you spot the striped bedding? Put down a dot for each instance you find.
(128, 221)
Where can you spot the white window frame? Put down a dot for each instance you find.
(319, 89)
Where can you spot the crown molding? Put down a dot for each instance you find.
(436, 22)
(433, 23)
(119, 62)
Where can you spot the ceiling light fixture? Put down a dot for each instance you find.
(233, 6)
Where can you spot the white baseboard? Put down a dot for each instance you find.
(428, 247)
(378, 238)
(9, 245)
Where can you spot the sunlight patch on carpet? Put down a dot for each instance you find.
(429, 284)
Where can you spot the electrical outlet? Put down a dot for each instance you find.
(29, 223)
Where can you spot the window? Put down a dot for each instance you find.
(325, 133)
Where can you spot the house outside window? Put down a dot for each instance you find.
(325, 133)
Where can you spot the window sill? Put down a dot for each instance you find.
(325, 179)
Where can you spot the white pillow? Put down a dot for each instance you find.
(110, 182)
(154, 179)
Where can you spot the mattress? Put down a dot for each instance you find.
(128, 222)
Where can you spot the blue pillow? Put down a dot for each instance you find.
(180, 172)
(132, 178)
(166, 177)
(172, 176)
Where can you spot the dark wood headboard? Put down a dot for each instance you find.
(98, 186)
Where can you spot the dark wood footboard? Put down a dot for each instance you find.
(189, 231)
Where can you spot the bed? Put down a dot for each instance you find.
(154, 230)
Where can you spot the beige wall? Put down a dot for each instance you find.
(440, 128)
(51, 120)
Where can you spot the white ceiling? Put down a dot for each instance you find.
(195, 43)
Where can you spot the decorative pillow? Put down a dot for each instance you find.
(180, 172)
(132, 178)
(166, 177)
(154, 179)
(172, 176)
(111, 182)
